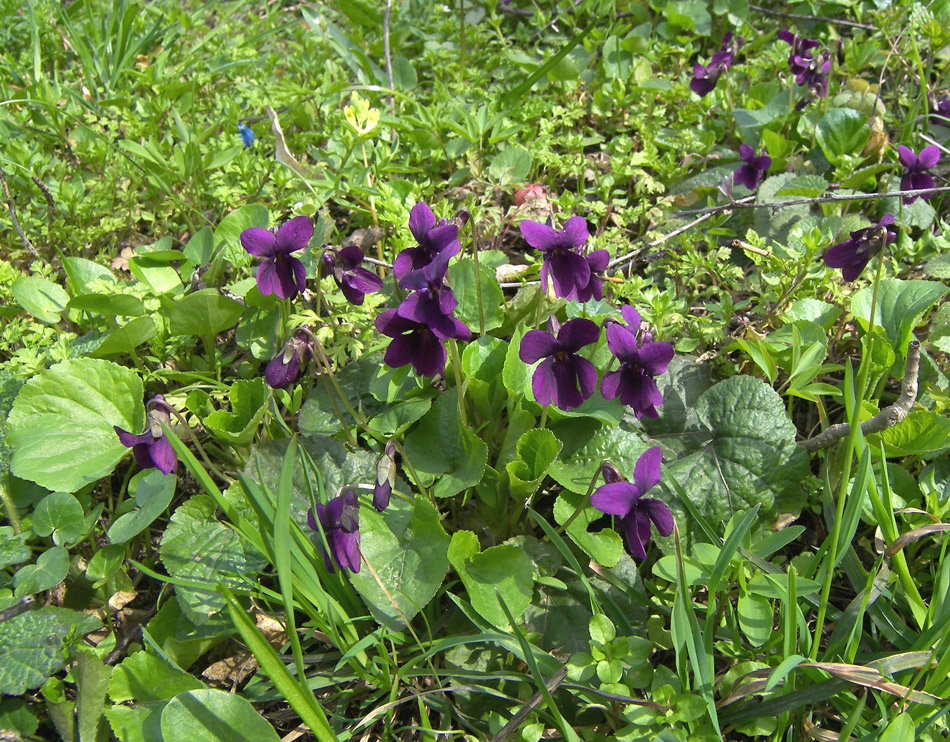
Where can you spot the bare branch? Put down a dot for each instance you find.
(886, 418)
(16, 222)
(810, 18)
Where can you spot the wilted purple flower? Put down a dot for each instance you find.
(385, 477)
(247, 136)
(705, 77)
(432, 301)
(433, 237)
(641, 359)
(621, 498)
(809, 70)
(563, 376)
(152, 448)
(281, 273)
(916, 166)
(339, 520)
(852, 255)
(751, 172)
(568, 269)
(282, 370)
(354, 280)
(415, 343)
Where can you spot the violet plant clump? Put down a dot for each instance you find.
(281, 273)
(626, 500)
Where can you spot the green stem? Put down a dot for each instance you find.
(9, 506)
(584, 503)
(457, 368)
(478, 277)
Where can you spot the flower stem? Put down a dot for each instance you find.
(457, 369)
(478, 277)
(584, 503)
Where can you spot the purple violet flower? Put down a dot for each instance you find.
(636, 512)
(569, 271)
(809, 70)
(152, 448)
(413, 342)
(916, 166)
(433, 238)
(597, 262)
(641, 359)
(705, 77)
(751, 172)
(432, 301)
(339, 520)
(353, 280)
(385, 477)
(940, 110)
(280, 273)
(563, 377)
(852, 255)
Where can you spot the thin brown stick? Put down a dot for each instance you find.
(886, 418)
(16, 222)
(521, 714)
(812, 18)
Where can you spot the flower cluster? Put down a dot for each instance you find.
(567, 379)
(572, 274)
(705, 77)
(810, 70)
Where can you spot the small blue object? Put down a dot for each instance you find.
(247, 136)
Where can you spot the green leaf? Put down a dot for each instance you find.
(900, 305)
(921, 433)
(842, 132)
(511, 166)
(396, 419)
(42, 298)
(504, 568)
(739, 451)
(200, 247)
(32, 645)
(439, 446)
(406, 547)
(50, 569)
(537, 449)
(755, 618)
(129, 336)
(92, 679)
(812, 311)
(105, 563)
(153, 492)
(228, 231)
(59, 515)
(516, 374)
(13, 550)
(462, 276)
(61, 425)
(803, 186)
(16, 717)
(582, 457)
(248, 407)
(604, 547)
(317, 415)
(900, 729)
(81, 273)
(204, 313)
(196, 546)
(109, 305)
(145, 678)
(209, 715)
(156, 274)
(404, 74)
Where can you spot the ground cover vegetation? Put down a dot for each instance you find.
(485, 371)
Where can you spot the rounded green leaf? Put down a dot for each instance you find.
(842, 131)
(153, 492)
(110, 305)
(61, 424)
(50, 569)
(40, 297)
(209, 715)
(59, 515)
(204, 313)
(127, 337)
